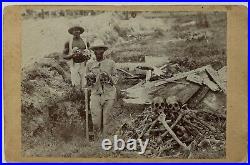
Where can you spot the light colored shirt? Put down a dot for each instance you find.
(107, 91)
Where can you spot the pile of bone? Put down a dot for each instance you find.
(175, 130)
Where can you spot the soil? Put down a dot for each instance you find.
(53, 112)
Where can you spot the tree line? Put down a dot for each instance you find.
(30, 13)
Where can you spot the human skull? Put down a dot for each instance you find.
(76, 50)
(104, 78)
(158, 104)
(172, 103)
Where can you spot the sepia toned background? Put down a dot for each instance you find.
(34, 50)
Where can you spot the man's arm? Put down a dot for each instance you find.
(66, 48)
(66, 54)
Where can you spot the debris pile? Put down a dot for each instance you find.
(174, 130)
(185, 113)
(190, 87)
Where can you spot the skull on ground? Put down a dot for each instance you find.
(158, 105)
(172, 103)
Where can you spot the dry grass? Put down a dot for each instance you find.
(52, 116)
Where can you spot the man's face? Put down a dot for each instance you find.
(77, 33)
(99, 53)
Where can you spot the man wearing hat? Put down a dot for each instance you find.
(77, 53)
(101, 77)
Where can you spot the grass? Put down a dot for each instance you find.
(63, 133)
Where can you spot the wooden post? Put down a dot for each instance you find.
(87, 113)
(89, 123)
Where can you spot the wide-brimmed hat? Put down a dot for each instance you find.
(74, 28)
(98, 43)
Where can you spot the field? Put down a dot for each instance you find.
(52, 113)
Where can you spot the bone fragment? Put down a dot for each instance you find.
(161, 118)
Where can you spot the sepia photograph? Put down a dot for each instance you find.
(123, 84)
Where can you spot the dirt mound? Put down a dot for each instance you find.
(50, 108)
(53, 116)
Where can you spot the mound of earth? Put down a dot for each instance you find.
(50, 107)
(53, 113)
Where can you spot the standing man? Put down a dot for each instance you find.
(77, 53)
(101, 77)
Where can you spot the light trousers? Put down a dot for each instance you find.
(100, 111)
(78, 72)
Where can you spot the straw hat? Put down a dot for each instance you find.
(76, 28)
(98, 43)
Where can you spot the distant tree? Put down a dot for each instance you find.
(53, 13)
(62, 13)
(69, 13)
(92, 12)
(81, 12)
(76, 12)
(30, 12)
(46, 14)
(41, 14)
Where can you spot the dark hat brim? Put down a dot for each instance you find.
(72, 29)
(96, 47)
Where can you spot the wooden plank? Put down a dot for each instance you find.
(181, 75)
(210, 84)
(195, 78)
(198, 96)
(215, 76)
(125, 72)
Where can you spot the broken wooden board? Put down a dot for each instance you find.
(198, 76)
(181, 75)
(215, 76)
(183, 85)
(203, 79)
(215, 102)
(198, 96)
(138, 94)
(195, 79)
(208, 82)
(182, 90)
(125, 72)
